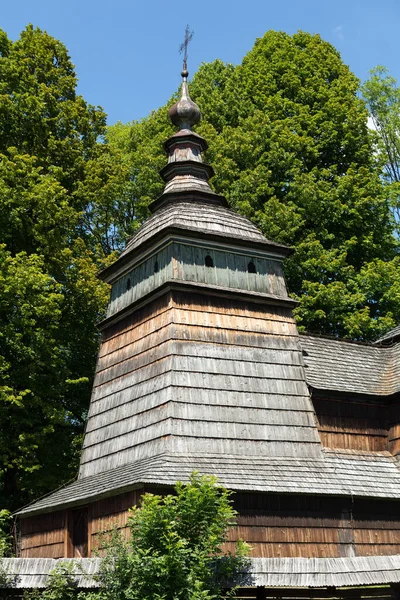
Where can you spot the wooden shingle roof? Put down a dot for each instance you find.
(391, 335)
(345, 473)
(28, 573)
(203, 219)
(350, 367)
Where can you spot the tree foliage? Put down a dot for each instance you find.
(382, 95)
(5, 534)
(289, 141)
(58, 184)
(174, 551)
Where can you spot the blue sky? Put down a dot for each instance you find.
(126, 52)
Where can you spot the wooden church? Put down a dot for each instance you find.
(201, 368)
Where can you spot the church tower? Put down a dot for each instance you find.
(199, 359)
(201, 367)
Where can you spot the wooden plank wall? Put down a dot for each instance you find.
(274, 525)
(43, 536)
(147, 276)
(352, 423)
(108, 514)
(310, 526)
(230, 269)
(132, 376)
(394, 425)
(187, 262)
(367, 423)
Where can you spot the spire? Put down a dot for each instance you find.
(185, 113)
(186, 176)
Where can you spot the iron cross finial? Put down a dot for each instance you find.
(184, 47)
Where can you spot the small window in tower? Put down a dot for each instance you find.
(208, 261)
(156, 267)
(251, 267)
(128, 284)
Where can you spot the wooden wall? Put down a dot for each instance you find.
(43, 536)
(394, 425)
(351, 423)
(370, 423)
(274, 525)
(49, 535)
(109, 513)
(277, 525)
(186, 262)
(230, 269)
(189, 373)
(132, 376)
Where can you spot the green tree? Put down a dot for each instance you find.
(289, 141)
(382, 95)
(58, 184)
(174, 551)
(5, 535)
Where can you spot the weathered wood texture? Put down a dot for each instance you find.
(373, 577)
(274, 525)
(363, 593)
(393, 412)
(277, 526)
(42, 536)
(199, 220)
(350, 422)
(187, 262)
(343, 366)
(356, 422)
(194, 374)
(111, 513)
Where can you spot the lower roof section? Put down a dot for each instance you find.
(268, 572)
(338, 473)
(325, 572)
(345, 366)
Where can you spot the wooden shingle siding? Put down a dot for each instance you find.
(283, 578)
(218, 350)
(335, 472)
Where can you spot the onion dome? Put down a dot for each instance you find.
(185, 113)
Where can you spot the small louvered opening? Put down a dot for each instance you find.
(156, 267)
(128, 284)
(208, 261)
(251, 267)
